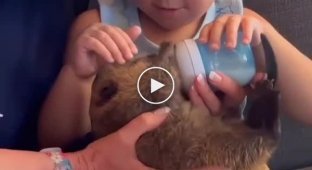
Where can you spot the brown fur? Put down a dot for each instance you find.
(189, 138)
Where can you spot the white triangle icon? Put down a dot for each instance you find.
(156, 85)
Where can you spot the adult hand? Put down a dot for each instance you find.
(117, 151)
(202, 95)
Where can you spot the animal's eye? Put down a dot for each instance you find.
(107, 92)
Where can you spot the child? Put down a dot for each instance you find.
(93, 44)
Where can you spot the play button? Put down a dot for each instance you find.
(155, 85)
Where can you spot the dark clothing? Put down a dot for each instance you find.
(33, 36)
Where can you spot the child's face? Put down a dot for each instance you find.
(173, 14)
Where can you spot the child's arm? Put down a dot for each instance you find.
(65, 113)
(294, 74)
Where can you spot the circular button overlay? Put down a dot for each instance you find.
(155, 85)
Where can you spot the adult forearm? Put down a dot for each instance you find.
(27, 160)
(17, 160)
(65, 113)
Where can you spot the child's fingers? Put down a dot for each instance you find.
(227, 85)
(248, 29)
(133, 32)
(208, 96)
(120, 42)
(97, 46)
(204, 33)
(232, 26)
(216, 32)
(110, 44)
(256, 36)
(252, 29)
(130, 42)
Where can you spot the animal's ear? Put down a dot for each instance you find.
(166, 49)
(166, 54)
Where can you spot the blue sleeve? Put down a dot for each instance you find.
(229, 7)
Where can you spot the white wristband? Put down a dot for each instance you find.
(57, 156)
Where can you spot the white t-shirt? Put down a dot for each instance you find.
(123, 14)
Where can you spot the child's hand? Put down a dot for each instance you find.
(202, 95)
(101, 43)
(230, 25)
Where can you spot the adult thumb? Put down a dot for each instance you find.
(134, 32)
(144, 123)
